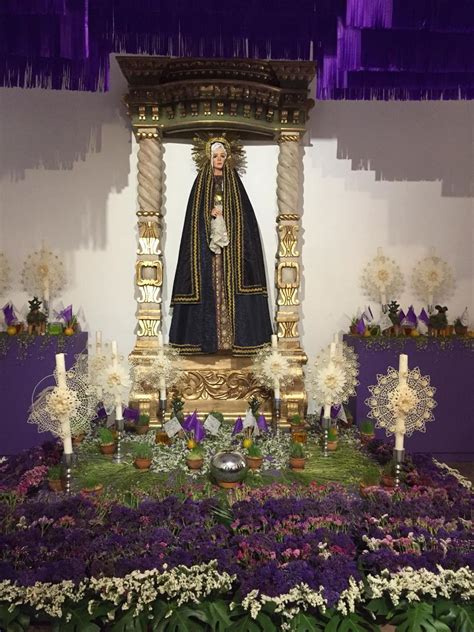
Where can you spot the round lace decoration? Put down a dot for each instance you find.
(55, 405)
(165, 365)
(412, 402)
(333, 381)
(270, 365)
(43, 273)
(432, 280)
(382, 278)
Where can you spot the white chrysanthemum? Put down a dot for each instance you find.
(62, 403)
(269, 365)
(382, 278)
(4, 274)
(413, 402)
(43, 274)
(73, 402)
(114, 379)
(346, 361)
(432, 280)
(329, 382)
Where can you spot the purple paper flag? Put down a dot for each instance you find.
(360, 327)
(188, 422)
(401, 315)
(262, 423)
(423, 316)
(66, 314)
(9, 313)
(335, 411)
(131, 414)
(238, 426)
(199, 431)
(101, 413)
(410, 318)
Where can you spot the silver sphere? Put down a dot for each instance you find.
(228, 467)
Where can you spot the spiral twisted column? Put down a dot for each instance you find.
(288, 280)
(149, 264)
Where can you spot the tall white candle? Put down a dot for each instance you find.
(383, 297)
(274, 341)
(276, 388)
(65, 422)
(402, 368)
(46, 289)
(400, 423)
(160, 340)
(162, 381)
(327, 411)
(98, 341)
(114, 353)
(332, 350)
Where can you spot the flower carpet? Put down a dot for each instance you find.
(279, 553)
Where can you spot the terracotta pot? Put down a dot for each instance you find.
(397, 330)
(388, 481)
(332, 445)
(228, 485)
(297, 463)
(450, 330)
(129, 426)
(366, 438)
(77, 439)
(407, 331)
(56, 484)
(353, 330)
(92, 491)
(194, 464)
(162, 437)
(300, 435)
(460, 330)
(107, 448)
(254, 462)
(141, 430)
(142, 464)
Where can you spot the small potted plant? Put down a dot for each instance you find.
(298, 429)
(367, 433)
(388, 475)
(106, 441)
(297, 456)
(143, 456)
(332, 438)
(438, 323)
(459, 328)
(91, 486)
(55, 478)
(195, 458)
(177, 405)
(353, 326)
(370, 479)
(394, 315)
(254, 457)
(143, 424)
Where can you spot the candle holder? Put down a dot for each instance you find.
(326, 422)
(276, 413)
(384, 308)
(162, 410)
(67, 461)
(399, 456)
(119, 427)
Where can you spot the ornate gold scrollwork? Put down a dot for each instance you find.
(158, 273)
(207, 384)
(148, 238)
(288, 329)
(289, 138)
(291, 267)
(288, 217)
(148, 327)
(288, 240)
(149, 294)
(288, 296)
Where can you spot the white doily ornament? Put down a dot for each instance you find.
(161, 373)
(334, 376)
(402, 401)
(43, 275)
(382, 279)
(432, 280)
(272, 369)
(4, 274)
(66, 409)
(114, 382)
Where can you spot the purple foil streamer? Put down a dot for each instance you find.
(262, 423)
(238, 426)
(9, 314)
(131, 414)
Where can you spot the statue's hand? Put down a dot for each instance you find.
(216, 212)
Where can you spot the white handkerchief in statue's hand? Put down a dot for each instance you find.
(172, 427)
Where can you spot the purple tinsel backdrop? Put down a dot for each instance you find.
(365, 49)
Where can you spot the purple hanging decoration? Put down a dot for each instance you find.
(66, 314)
(360, 327)
(410, 319)
(423, 316)
(262, 423)
(131, 414)
(9, 314)
(238, 426)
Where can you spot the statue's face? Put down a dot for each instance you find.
(218, 159)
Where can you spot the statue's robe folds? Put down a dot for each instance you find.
(194, 322)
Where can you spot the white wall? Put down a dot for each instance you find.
(396, 175)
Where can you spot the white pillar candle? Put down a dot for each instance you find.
(114, 353)
(402, 368)
(327, 411)
(276, 388)
(118, 409)
(160, 340)
(65, 422)
(383, 297)
(274, 341)
(46, 289)
(162, 381)
(399, 438)
(332, 350)
(98, 341)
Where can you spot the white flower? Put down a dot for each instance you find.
(114, 379)
(269, 365)
(329, 383)
(62, 403)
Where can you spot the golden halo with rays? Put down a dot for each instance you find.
(235, 152)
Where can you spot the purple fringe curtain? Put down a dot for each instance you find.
(364, 49)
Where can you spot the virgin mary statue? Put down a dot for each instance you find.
(220, 298)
